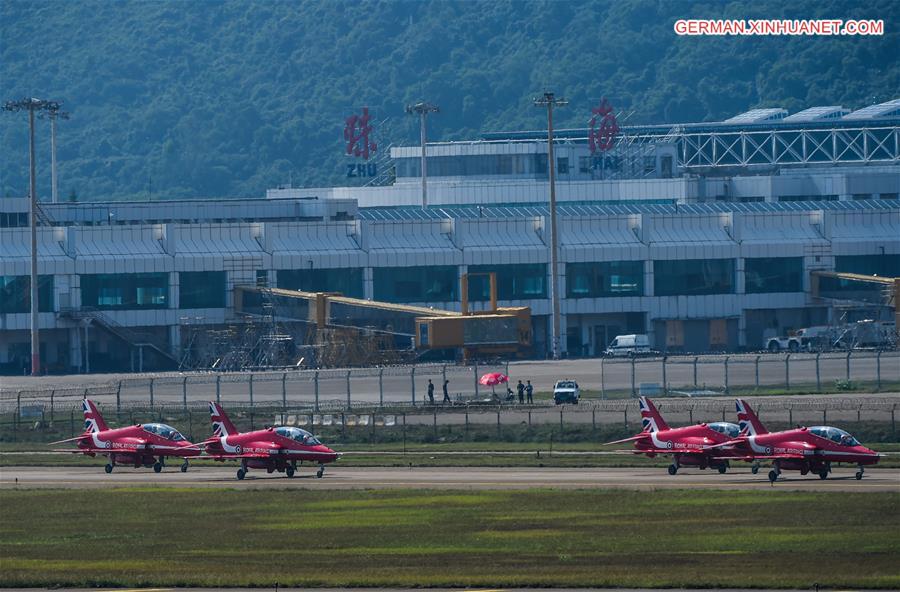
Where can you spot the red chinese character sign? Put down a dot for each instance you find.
(356, 134)
(604, 128)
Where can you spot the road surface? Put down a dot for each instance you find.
(842, 479)
(682, 374)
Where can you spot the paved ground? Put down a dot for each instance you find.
(400, 590)
(395, 384)
(842, 479)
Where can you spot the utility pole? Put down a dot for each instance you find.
(549, 101)
(32, 106)
(423, 109)
(53, 114)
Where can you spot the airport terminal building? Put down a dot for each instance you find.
(703, 236)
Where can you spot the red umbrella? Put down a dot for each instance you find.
(493, 379)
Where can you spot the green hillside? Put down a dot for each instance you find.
(201, 99)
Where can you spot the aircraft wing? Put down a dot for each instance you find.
(734, 442)
(116, 451)
(641, 436)
(272, 450)
(257, 455)
(785, 456)
(700, 451)
(76, 438)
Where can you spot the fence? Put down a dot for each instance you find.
(875, 416)
(407, 385)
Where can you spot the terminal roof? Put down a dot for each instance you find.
(575, 209)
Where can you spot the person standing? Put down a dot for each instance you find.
(529, 390)
(446, 393)
(430, 392)
(520, 388)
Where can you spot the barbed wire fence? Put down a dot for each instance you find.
(394, 386)
(63, 415)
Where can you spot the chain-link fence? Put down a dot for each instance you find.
(874, 417)
(407, 386)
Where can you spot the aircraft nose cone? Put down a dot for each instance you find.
(332, 455)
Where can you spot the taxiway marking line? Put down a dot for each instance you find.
(139, 590)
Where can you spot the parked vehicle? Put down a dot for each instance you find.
(868, 334)
(816, 339)
(566, 391)
(776, 344)
(628, 345)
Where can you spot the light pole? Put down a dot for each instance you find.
(53, 113)
(423, 109)
(32, 106)
(549, 101)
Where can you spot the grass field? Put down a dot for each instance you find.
(148, 537)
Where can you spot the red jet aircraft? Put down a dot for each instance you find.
(802, 449)
(689, 445)
(147, 444)
(274, 448)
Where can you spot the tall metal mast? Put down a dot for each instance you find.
(423, 109)
(32, 106)
(549, 101)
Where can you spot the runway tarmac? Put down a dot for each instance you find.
(404, 590)
(842, 479)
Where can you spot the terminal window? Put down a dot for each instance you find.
(201, 289)
(880, 265)
(15, 294)
(514, 282)
(692, 277)
(348, 282)
(773, 274)
(125, 291)
(604, 279)
(416, 284)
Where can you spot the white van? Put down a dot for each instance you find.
(628, 345)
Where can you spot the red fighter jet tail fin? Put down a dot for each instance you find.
(222, 426)
(747, 420)
(651, 420)
(93, 419)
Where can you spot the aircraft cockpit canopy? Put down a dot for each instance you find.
(836, 435)
(298, 435)
(723, 427)
(164, 431)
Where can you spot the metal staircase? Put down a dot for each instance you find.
(43, 218)
(129, 336)
(386, 173)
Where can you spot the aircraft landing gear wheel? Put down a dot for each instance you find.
(673, 469)
(109, 468)
(859, 475)
(320, 472)
(754, 469)
(240, 474)
(184, 467)
(157, 467)
(823, 474)
(289, 471)
(773, 476)
(722, 469)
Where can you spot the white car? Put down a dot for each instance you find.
(629, 345)
(566, 391)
